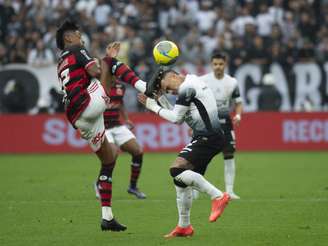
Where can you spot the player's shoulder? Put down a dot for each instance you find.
(230, 78)
(190, 84)
(192, 81)
(73, 49)
(207, 77)
(77, 50)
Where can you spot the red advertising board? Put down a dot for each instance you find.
(283, 131)
(258, 131)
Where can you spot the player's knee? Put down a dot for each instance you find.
(175, 171)
(137, 158)
(228, 155)
(179, 183)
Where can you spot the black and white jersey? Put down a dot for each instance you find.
(225, 91)
(196, 106)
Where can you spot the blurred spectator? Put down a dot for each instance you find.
(40, 56)
(322, 49)
(277, 55)
(101, 14)
(6, 14)
(239, 23)
(3, 55)
(277, 12)
(238, 54)
(17, 50)
(306, 52)
(269, 98)
(206, 16)
(257, 52)
(307, 26)
(264, 21)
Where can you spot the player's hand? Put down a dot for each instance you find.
(142, 98)
(149, 103)
(113, 49)
(97, 62)
(236, 119)
(129, 124)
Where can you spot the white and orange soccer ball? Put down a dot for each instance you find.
(165, 52)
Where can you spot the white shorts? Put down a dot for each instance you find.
(91, 121)
(119, 135)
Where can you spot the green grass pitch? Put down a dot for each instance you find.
(49, 200)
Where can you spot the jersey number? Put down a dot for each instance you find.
(64, 76)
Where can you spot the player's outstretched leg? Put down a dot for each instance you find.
(184, 202)
(197, 181)
(135, 173)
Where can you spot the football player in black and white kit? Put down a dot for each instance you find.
(196, 106)
(226, 92)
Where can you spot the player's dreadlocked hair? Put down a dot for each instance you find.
(154, 84)
(67, 25)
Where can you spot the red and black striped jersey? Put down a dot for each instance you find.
(112, 115)
(74, 79)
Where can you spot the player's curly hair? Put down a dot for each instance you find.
(67, 25)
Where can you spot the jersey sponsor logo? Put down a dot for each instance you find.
(103, 178)
(83, 52)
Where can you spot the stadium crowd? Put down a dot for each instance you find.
(256, 31)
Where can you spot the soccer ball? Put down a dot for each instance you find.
(165, 52)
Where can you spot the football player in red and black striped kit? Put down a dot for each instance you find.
(85, 102)
(120, 134)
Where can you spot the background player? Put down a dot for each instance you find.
(120, 135)
(85, 103)
(227, 96)
(196, 106)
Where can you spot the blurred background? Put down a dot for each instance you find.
(277, 49)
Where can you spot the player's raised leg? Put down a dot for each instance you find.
(197, 181)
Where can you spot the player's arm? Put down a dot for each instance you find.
(238, 105)
(176, 115)
(164, 101)
(124, 114)
(122, 72)
(105, 76)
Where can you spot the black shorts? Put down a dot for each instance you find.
(200, 151)
(229, 134)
